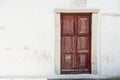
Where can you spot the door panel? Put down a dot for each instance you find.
(82, 60)
(75, 43)
(68, 25)
(67, 44)
(82, 43)
(67, 52)
(68, 61)
(83, 26)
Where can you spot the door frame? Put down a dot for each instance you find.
(94, 27)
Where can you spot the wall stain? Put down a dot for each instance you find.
(43, 55)
(107, 58)
(2, 28)
(7, 49)
(19, 57)
(26, 48)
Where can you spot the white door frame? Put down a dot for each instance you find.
(94, 26)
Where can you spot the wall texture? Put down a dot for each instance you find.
(110, 39)
(27, 29)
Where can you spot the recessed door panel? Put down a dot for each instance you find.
(83, 25)
(68, 25)
(67, 44)
(82, 43)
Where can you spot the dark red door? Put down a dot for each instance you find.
(75, 43)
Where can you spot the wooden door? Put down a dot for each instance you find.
(75, 43)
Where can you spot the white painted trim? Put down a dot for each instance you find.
(77, 11)
(57, 43)
(94, 25)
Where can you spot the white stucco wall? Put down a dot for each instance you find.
(110, 41)
(27, 29)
